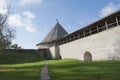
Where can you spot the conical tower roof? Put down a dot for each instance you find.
(57, 32)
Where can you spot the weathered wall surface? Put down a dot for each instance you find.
(102, 46)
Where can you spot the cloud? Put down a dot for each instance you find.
(3, 7)
(29, 15)
(15, 20)
(110, 8)
(23, 21)
(23, 2)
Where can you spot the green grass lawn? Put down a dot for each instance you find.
(78, 70)
(24, 71)
(26, 65)
(20, 65)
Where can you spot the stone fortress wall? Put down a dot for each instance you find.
(97, 41)
(102, 46)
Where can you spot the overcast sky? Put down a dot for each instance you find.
(33, 19)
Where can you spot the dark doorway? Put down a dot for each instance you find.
(87, 56)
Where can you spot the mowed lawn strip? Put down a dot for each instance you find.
(78, 70)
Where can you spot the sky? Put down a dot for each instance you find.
(33, 19)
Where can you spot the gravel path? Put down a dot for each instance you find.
(44, 75)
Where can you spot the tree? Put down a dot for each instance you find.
(15, 46)
(6, 32)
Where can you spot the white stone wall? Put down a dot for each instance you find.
(52, 51)
(103, 46)
(45, 46)
(42, 46)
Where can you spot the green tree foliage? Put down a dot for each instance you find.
(15, 46)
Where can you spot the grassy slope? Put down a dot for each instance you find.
(76, 70)
(20, 65)
(20, 56)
